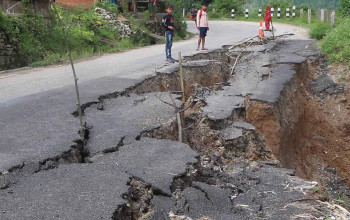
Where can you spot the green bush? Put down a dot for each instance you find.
(344, 8)
(304, 6)
(319, 30)
(224, 7)
(336, 44)
(47, 60)
(87, 33)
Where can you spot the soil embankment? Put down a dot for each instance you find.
(308, 128)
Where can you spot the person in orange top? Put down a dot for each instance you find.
(202, 25)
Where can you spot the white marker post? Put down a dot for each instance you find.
(288, 13)
(260, 12)
(272, 12)
(309, 15)
(233, 13)
(323, 15)
(302, 13)
(333, 18)
(247, 13)
(279, 13)
(294, 11)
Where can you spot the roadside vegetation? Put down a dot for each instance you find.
(39, 41)
(336, 42)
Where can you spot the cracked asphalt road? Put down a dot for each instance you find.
(37, 124)
(35, 104)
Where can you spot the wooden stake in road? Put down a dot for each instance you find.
(60, 22)
(245, 41)
(182, 84)
(182, 79)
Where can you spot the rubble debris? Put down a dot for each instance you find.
(120, 24)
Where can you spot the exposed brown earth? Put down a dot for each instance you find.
(307, 133)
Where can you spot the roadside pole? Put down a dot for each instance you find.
(309, 14)
(333, 18)
(178, 115)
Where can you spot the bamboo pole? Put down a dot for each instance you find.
(182, 79)
(82, 127)
(235, 45)
(178, 118)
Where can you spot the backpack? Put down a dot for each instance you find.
(194, 12)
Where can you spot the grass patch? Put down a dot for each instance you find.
(315, 189)
(336, 44)
(47, 60)
(319, 31)
(125, 44)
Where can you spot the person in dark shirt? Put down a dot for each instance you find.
(169, 24)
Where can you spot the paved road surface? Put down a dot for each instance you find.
(36, 104)
(134, 64)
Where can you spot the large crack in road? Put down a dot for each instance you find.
(227, 168)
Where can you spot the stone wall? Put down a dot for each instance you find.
(9, 58)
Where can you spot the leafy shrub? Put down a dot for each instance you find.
(344, 8)
(303, 6)
(47, 60)
(336, 45)
(224, 7)
(41, 44)
(319, 30)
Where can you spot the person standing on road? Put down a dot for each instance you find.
(168, 23)
(202, 25)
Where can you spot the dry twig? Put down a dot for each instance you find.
(239, 56)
